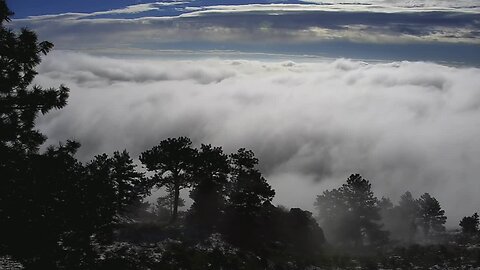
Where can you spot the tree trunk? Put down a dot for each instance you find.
(175, 201)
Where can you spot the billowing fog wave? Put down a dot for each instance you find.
(404, 125)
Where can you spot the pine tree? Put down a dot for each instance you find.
(249, 190)
(249, 202)
(408, 210)
(172, 162)
(469, 225)
(51, 205)
(352, 213)
(23, 207)
(209, 191)
(432, 216)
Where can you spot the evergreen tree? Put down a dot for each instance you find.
(209, 190)
(23, 206)
(19, 106)
(304, 235)
(19, 103)
(41, 212)
(352, 213)
(408, 211)
(249, 191)
(249, 201)
(401, 220)
(63, 205)
(432, 216)
(111, 185)
(469, 225)
(172, 162)
(51, 205)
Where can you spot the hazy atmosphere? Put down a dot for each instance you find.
(319, 90)
(271, 83)
(403, 125)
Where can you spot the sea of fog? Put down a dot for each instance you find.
(312, 122)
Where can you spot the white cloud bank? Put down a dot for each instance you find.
(404, 126)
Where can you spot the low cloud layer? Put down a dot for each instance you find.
(404, 125)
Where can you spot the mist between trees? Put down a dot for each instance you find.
(59, 213)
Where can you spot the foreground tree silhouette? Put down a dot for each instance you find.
(111, 185)
(432, 216)
(59, 206)
(469, 225)
(249, 191)
(305, 237)
(172, 162)
(249, 200)
(20, 104)
(209, 191)
(36, 213)
(19, 141)
(51, 206)
(351, 213)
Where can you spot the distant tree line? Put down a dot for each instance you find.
(59, 213)
(354, 217)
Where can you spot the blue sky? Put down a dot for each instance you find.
(25, 8)
(426, 30)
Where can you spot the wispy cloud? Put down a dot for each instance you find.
(383, 6)
(404, 125)
(132, 9)
(304, 28)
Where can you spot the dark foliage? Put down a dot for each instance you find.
(51, 206)
(469, 225)
(249, 191)
(432, 217)
(294, 236)
(19, 103)
(352, 213)
(61, 204)
(209, 191)
(25, 211)
(172, 161)
(249, 199)
(111, 185)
